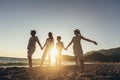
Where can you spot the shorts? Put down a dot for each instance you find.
(30, 52)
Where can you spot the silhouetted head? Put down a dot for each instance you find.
(77, 32)
(33, 32)
(50, 35)
(58, 38)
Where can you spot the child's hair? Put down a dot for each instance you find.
(58, 37)
(77, 31)
(51, 36)
(33, 32)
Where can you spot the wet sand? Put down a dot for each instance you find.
(92, 72)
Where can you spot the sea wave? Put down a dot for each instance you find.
(23, 62)
(8, 61)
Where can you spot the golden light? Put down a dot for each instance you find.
(53, 55)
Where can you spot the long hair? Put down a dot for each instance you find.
(51, 36)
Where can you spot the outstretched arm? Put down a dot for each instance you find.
(89, 40)
(69, 44)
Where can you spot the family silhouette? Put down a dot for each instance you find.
(49, 45)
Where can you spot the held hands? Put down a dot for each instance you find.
(41, 48)
(66, 48)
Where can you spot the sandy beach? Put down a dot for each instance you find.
(92, 72)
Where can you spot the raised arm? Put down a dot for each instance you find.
(89, 40)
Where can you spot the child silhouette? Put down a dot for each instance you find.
(59, 46)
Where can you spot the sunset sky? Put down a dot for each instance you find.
(98, 20)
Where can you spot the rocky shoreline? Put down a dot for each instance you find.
(92, 72)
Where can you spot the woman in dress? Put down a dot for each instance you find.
(49, 44)
(77, 48)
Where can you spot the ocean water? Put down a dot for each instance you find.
(23, 62)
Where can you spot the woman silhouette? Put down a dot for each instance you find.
(49, 45)
(77, 48)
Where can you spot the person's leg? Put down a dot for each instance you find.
(76, 60)
(49, 59)
(30, 52)
(30, 60)
(43, 57)
(82, 64)
(59, 59)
